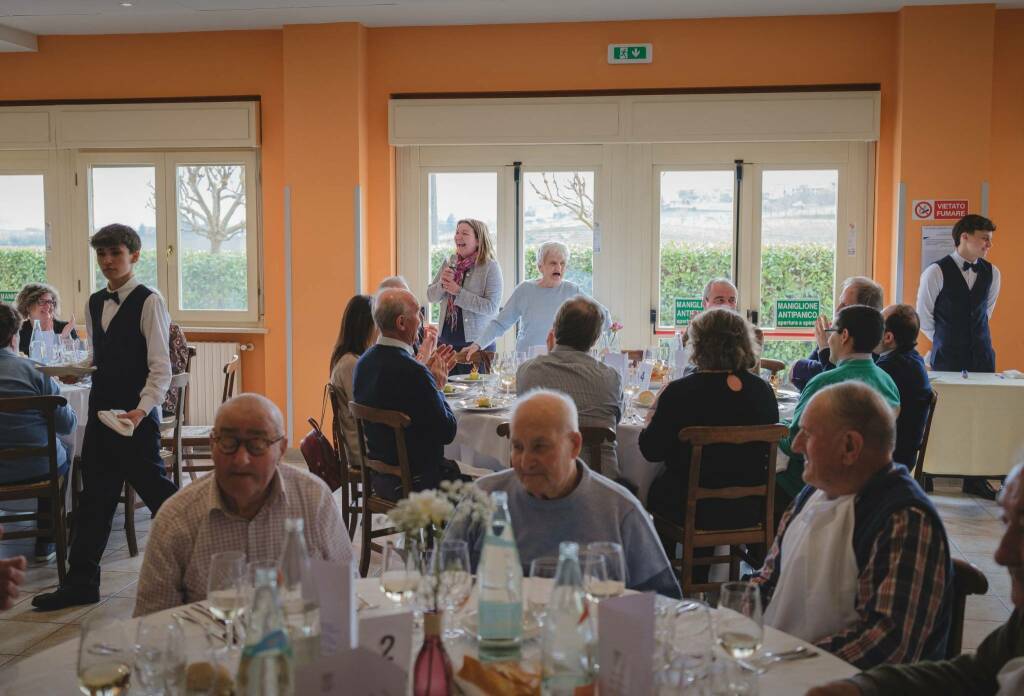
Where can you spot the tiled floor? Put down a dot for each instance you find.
(972, 524)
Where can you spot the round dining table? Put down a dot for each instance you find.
(53, 671)
(77, 396)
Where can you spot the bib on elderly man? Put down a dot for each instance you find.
(817, 586)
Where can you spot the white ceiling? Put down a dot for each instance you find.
(109, 17)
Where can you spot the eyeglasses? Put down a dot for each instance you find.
(256, 446)
(834, 329)
(46, 303)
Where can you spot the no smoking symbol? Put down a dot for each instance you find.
(923, 209)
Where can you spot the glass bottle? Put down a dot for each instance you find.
(298, 594)
(432, 673)
(500, 576)
(36, 345)
(265, 668)
(568, 637)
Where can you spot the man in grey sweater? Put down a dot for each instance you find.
(554, 497)
(997, 667)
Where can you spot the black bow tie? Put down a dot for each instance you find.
(968, 266)
(112, 296)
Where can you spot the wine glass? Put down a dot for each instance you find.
(595, 574)
(401, 575)
(104, 658)
(226, 589)
(739, 627)
(159, 656)
(540, 584)
(683, 638)
(631, 389)
(455, 579)
(614, 583)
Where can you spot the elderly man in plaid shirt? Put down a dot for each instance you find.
(860, 565)
(241, 507)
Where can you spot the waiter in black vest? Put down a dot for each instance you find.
(955, 299)
(128, 325)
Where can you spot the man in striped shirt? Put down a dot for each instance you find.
(860, 565)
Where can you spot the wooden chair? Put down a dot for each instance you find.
(634, 357)
(773, 366)
(398, 422)
(195, 439)
(593, 438)
(482, 359)
(691, 537)
(351, 471)
(919, 475)
(54, 488)
(967, 580)
(170, 453)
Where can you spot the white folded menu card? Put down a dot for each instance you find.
(626, 652)
(121, 426)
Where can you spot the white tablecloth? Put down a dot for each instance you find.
(977, 428)
(53, 671)
(78, 399)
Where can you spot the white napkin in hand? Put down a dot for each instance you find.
(121, 426)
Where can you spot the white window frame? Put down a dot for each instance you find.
(168, 270)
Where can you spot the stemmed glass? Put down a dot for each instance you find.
(614, 583)
(455, 581)
(104, 658)
(739, 627)
(401, 574)
(160, 656)
(226, 589)
(631, 389)
(540, 584)
(683, 640)
(595, 574)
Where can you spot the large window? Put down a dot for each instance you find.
(194, 213)
(559, 207)
(22, 232)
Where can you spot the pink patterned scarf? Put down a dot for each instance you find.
(461, 268)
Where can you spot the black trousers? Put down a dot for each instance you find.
(108, 461)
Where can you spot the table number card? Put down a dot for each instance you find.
(626, 653)
(617, 361)
(336, 588)
(358, 672)
(389, 635)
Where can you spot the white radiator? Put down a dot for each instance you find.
(206, 380)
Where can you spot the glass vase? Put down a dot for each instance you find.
(432, 673)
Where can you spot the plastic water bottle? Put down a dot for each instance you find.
(567, 642)
(299, 600)
(37, 346)
(500, 577)
(265, 668)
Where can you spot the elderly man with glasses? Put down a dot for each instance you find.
(241, 507)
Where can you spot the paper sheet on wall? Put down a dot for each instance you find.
(936, 242)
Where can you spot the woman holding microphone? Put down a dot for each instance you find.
(468, 287)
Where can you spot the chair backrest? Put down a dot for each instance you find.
(345, 458)
(321, 457)
(593, 438)
(398, 422)
(47, 407)
(634, 356)
(967, 580)
(230, 370)
(773, 366)
(919, 464)
(700, 437)
(179, 390)
(188, 370)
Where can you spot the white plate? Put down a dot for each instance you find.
(531, 628)
(471, 406)
(464, 379)
(65, 370)
(454, 390)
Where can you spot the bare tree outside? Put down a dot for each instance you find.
(211, 202)
(571, 196)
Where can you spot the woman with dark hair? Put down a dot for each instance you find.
(722, 391)
(356, 334)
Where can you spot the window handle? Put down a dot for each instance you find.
(170, 250)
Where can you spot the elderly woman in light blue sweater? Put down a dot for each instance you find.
(468, 287)
(534, 302)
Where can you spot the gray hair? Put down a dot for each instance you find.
(856, 406)
(571, 416)
(395, 281)
(391, 303)
(711, 283)
(548, 247)
(578, 323)
(869, 293)
(31, 293)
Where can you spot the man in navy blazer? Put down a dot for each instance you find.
(898, 356)
(388, 376)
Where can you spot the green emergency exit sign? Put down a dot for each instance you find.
(685, 308)
(630, 53)
(796, 314)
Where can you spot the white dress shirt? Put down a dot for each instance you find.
(155, 325)
(931, 286)
(395, 343)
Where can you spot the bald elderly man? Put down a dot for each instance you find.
(554, 497)
(997, 666)
(241, 507)
(860, 566)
